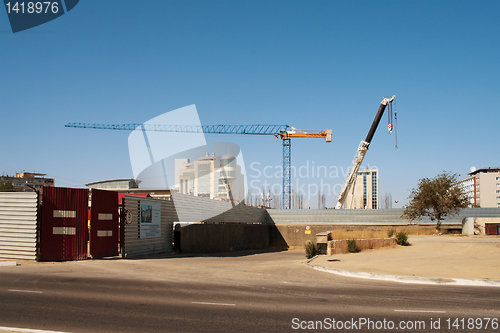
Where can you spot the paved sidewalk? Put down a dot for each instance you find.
(5, 262)
(461, 260)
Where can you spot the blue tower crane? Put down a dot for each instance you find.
(285, 132)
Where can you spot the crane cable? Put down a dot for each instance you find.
(393, 117)
(389, 118)
(395, 125)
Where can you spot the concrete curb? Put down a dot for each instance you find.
(7, 262)
(409, 279)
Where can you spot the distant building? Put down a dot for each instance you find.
(482, 187)
(26, 181)
(468, 185)
(364, 194)
(212, 177)
(114, 185)
(130, 186)
(155, 193)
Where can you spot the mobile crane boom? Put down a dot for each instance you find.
(360, 154)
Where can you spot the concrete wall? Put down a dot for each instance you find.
(296, 236)
(468, 226)
(207, 238)
(476, 226)
(340, 246)
(210, 238)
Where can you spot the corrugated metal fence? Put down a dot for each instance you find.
(365, 216)
(196, 209)
(64, 225)
(103, 224)
(18, 225)
(134, 245)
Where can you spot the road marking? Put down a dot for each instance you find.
(420, 311)
(26, 330)
(26, 291)
(209, 303)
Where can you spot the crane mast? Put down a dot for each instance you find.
(360, 154)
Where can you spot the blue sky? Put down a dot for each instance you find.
(308, 64)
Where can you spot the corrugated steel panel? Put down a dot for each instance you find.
(491, 229)
(136, 246)
(334, 216)
(196, 209)
(18, 225)
(103, 224)
(365, 216)
(64, 210)
(240, 214)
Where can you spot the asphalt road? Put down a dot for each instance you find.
(268, 292)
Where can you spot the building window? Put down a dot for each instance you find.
(364, 191)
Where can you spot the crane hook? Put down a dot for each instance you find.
(389, 118)
(396, 128)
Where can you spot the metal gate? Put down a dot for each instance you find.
(64, 231)
(491, 229)
(103, 223)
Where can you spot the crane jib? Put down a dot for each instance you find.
(209, 129)
(284, 132)
(375, 123)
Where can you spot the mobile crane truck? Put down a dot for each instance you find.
(361, 152)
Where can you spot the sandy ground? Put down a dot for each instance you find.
(467, 257)
(459, 257)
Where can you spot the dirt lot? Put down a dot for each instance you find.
(467, 257)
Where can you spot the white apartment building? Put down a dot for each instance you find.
(468, 185)
(364, 194)
(211, 177)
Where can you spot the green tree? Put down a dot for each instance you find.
(6, 186)
(436, 198)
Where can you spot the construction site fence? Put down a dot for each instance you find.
(197, 209)
(18, 225)
(365, 216)
(133, 245)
